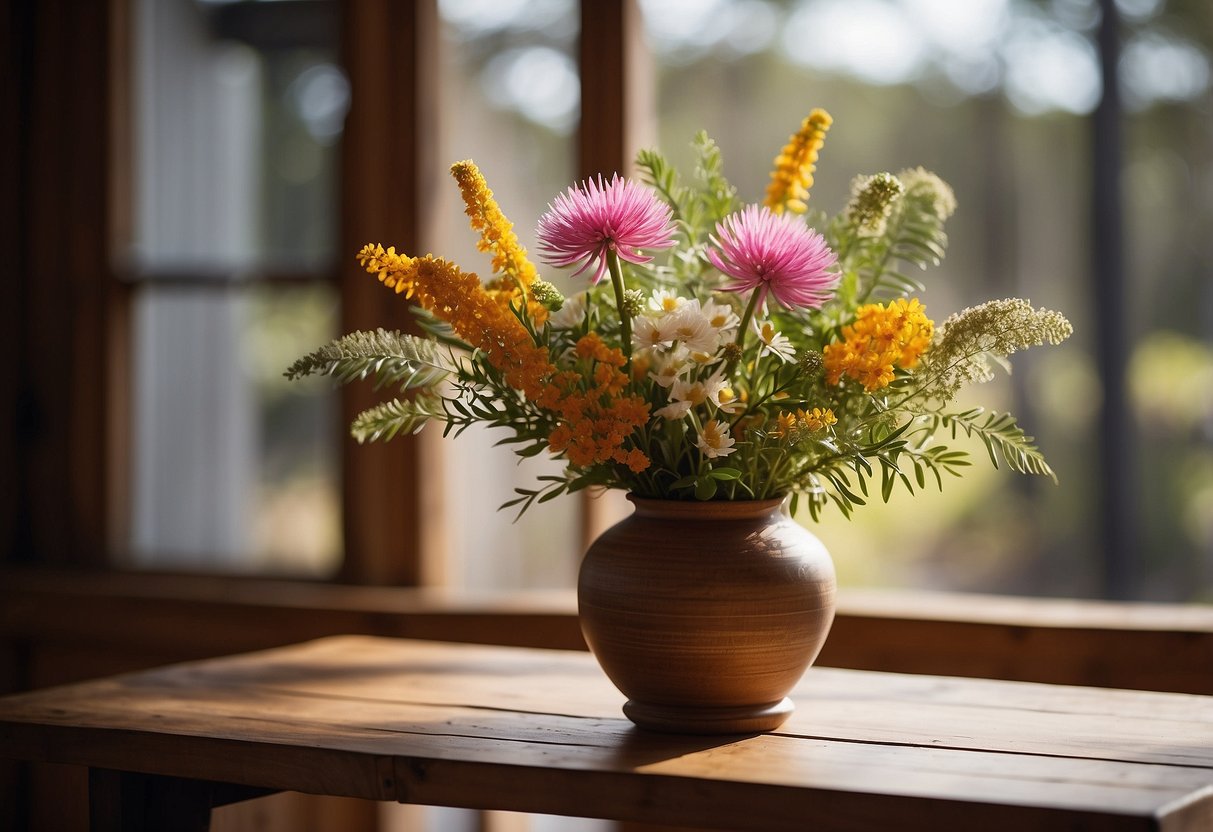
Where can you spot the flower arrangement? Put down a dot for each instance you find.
(718, 351)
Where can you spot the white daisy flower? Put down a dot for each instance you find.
(689, 327)
(727, 400)
(669, 367)
(714, 440)
(689, 391)
(773, 343)
(716, 390)
(721, 316)
(650, 332)
(664, 301)
(673, 410)
(687, 394)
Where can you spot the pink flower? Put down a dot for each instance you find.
(587, 222)
(776, 253)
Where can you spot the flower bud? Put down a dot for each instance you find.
(633, 302)
(547, 295)
(872, 200)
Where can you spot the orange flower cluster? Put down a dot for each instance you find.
(497, 237)
(794, 166)
(794, 426)
(880, 339)
(594, 423)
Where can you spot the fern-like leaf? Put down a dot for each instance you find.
(656, 172)
(1003, 437)
(717, 197)
(384, 421)
(389, 357)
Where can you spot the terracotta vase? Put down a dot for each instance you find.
(706, 614)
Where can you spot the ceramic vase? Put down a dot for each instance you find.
(706, 614)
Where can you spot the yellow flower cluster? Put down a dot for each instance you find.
(881, 339)
(794, 166)
(497, 237)
(795, 426)
(594, 424)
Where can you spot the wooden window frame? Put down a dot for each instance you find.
(65, 323)
(68, 431)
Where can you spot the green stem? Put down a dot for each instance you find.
(745, 320)
(741, 332)
(625, 320)
(884, 262)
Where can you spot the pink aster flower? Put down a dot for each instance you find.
(767, 252)
(585, 223)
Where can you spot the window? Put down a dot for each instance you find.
(236, 125)
(999, 98)
(741, 69)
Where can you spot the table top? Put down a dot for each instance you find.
(541, 731)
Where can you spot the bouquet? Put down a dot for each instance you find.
(718, 351)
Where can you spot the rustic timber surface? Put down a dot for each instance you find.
(541, 731)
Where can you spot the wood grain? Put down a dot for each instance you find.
(531, 730)
(706, 614)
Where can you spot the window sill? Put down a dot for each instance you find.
(104, 622)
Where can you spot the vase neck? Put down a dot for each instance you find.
(705, 510)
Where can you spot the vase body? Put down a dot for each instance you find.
(706, 614)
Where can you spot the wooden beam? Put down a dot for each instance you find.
(1117, 499)
(616, 87)
(389, 489)
(69, 305)
(16, 24)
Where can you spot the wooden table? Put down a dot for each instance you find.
(541, 731)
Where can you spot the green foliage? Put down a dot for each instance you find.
(388, 357)
(658, 174)
(715, 198)
(696, 208)
(1003, 438)
(912, 235)
(743, 402)
(384, 421)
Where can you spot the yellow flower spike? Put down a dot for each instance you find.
(498, 238)
(793, 170)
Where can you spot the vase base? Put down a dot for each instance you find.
(677, 719)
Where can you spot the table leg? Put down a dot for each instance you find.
(123, 801)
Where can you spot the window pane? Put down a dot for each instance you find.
(236, 135)
(995, 98)
(235, 467)
(510, 92)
